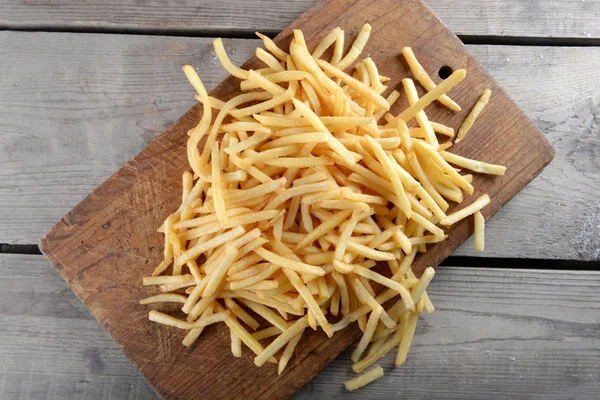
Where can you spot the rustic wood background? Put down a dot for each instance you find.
(84, 86)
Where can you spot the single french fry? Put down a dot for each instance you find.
(299, 162)
(164, 298)
(217, 276)
(442, 129)
(198, 163)
(312, 137)
(357, 47)
(226, 62)
(477, 205)
(217, 190)
(286, 263)
(345, 234)
(165, 319)
(479, 231)
(294, 330)
(408, 335)
(267, 314)
(236, 344)
(363, 250)
(475, 111)
(421, 117)
(211, 244)
(338, 49)
(268, 59)
(344, 204)
(473, 165)
(276, 77)
(160, 280)
(367, 336)
(365, 198)
(199, 221)
(272, 47)
(327, 41)
(254, 279)
(364, 379)
(288, 352)
(266, 333)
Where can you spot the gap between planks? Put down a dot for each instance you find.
(463, 261)
(533, 18)
(245, 34)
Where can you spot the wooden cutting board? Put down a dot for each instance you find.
(104, 246)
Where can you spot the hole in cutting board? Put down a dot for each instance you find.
(445, 72)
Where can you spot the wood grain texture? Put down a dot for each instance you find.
(91, 102)
(529, 334)
(50, 345)
(532, 18)
(103, 245)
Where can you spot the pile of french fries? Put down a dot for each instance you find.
(305, 183)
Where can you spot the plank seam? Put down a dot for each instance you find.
(245, 34)
(452, 261)
(521, 263)
(529, 41)
(8, 248)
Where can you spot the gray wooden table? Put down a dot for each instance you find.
(86, 85)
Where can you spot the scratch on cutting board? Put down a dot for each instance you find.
(172, 155)
(158, 170)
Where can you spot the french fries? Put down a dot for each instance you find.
(364, 379)
(477, 109)
(424, 79)
(479, 231)
(307, 207)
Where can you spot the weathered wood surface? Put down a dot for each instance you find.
(531, 18)
(504, 333)
(88, 103)
(104, 244)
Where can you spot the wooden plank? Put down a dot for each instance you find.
(536, 18)
(51, 347)
(101, 245)
(98, 100)
(530, 334)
